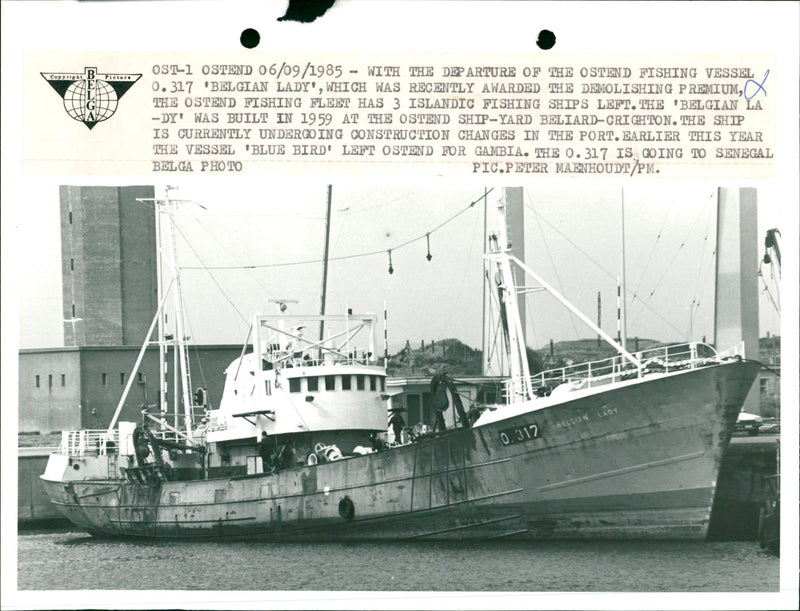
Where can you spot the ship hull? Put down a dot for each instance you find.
(637, 461)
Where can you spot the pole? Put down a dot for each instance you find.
(484, 362)
(624, 336)
(599, 310)
(325, 264)
(137, 364)
(162, 348)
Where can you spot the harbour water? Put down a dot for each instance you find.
(70, 560)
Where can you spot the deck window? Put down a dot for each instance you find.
(294, 384)
(347, 382)
(313, 383)
(359, 382)
(104, 379)
(37, 382)
(122, 379)
(330, 382)
(50, 380)
(63, 379)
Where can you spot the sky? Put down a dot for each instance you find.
(572, 239)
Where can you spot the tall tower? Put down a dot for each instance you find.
(736, 301)
(108, 262)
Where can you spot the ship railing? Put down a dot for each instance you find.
(663, 359)
(309, 359)
(89, 442)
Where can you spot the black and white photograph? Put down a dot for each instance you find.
(370, 305)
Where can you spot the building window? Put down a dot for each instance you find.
(294, 384)
(313, 383)
(330, 382)
(359, 382)
(419, 409)
(104, 378)
(37, 382)
(347, 382)
(487, 397)
(50, 381)
(63, 379)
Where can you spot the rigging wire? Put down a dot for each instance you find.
(464, 273)
(669, 265)
(343, 257)
(652, 252)
(698, 286)
(550, 256)
(228, 252)
(766, 289)
(604, 270)
(208, 269)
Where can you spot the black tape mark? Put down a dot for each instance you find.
(306, 11)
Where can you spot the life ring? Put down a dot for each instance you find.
(346, 508)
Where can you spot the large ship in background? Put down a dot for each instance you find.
(626, 447)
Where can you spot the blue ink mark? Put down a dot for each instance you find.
(760, 86)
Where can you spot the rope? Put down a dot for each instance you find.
(382, 251)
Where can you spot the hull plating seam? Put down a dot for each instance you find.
(465, 526)
(647, 465)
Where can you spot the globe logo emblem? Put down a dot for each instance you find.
(90, 101)
(90, 97)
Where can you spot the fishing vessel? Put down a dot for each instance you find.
(626, 447)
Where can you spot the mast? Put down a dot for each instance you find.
(521, 387)
(484, 356)
(180, 338)
(325, 265)
(623, 320)
(162, 348)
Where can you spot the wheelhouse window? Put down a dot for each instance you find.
(313, 383)
(294, 384)
(383, 383)
(373, 382)
(359, 382)
(330, 382)
(347, 382)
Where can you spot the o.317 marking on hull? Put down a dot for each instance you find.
(519, 434)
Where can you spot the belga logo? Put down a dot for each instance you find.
(90, 97)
